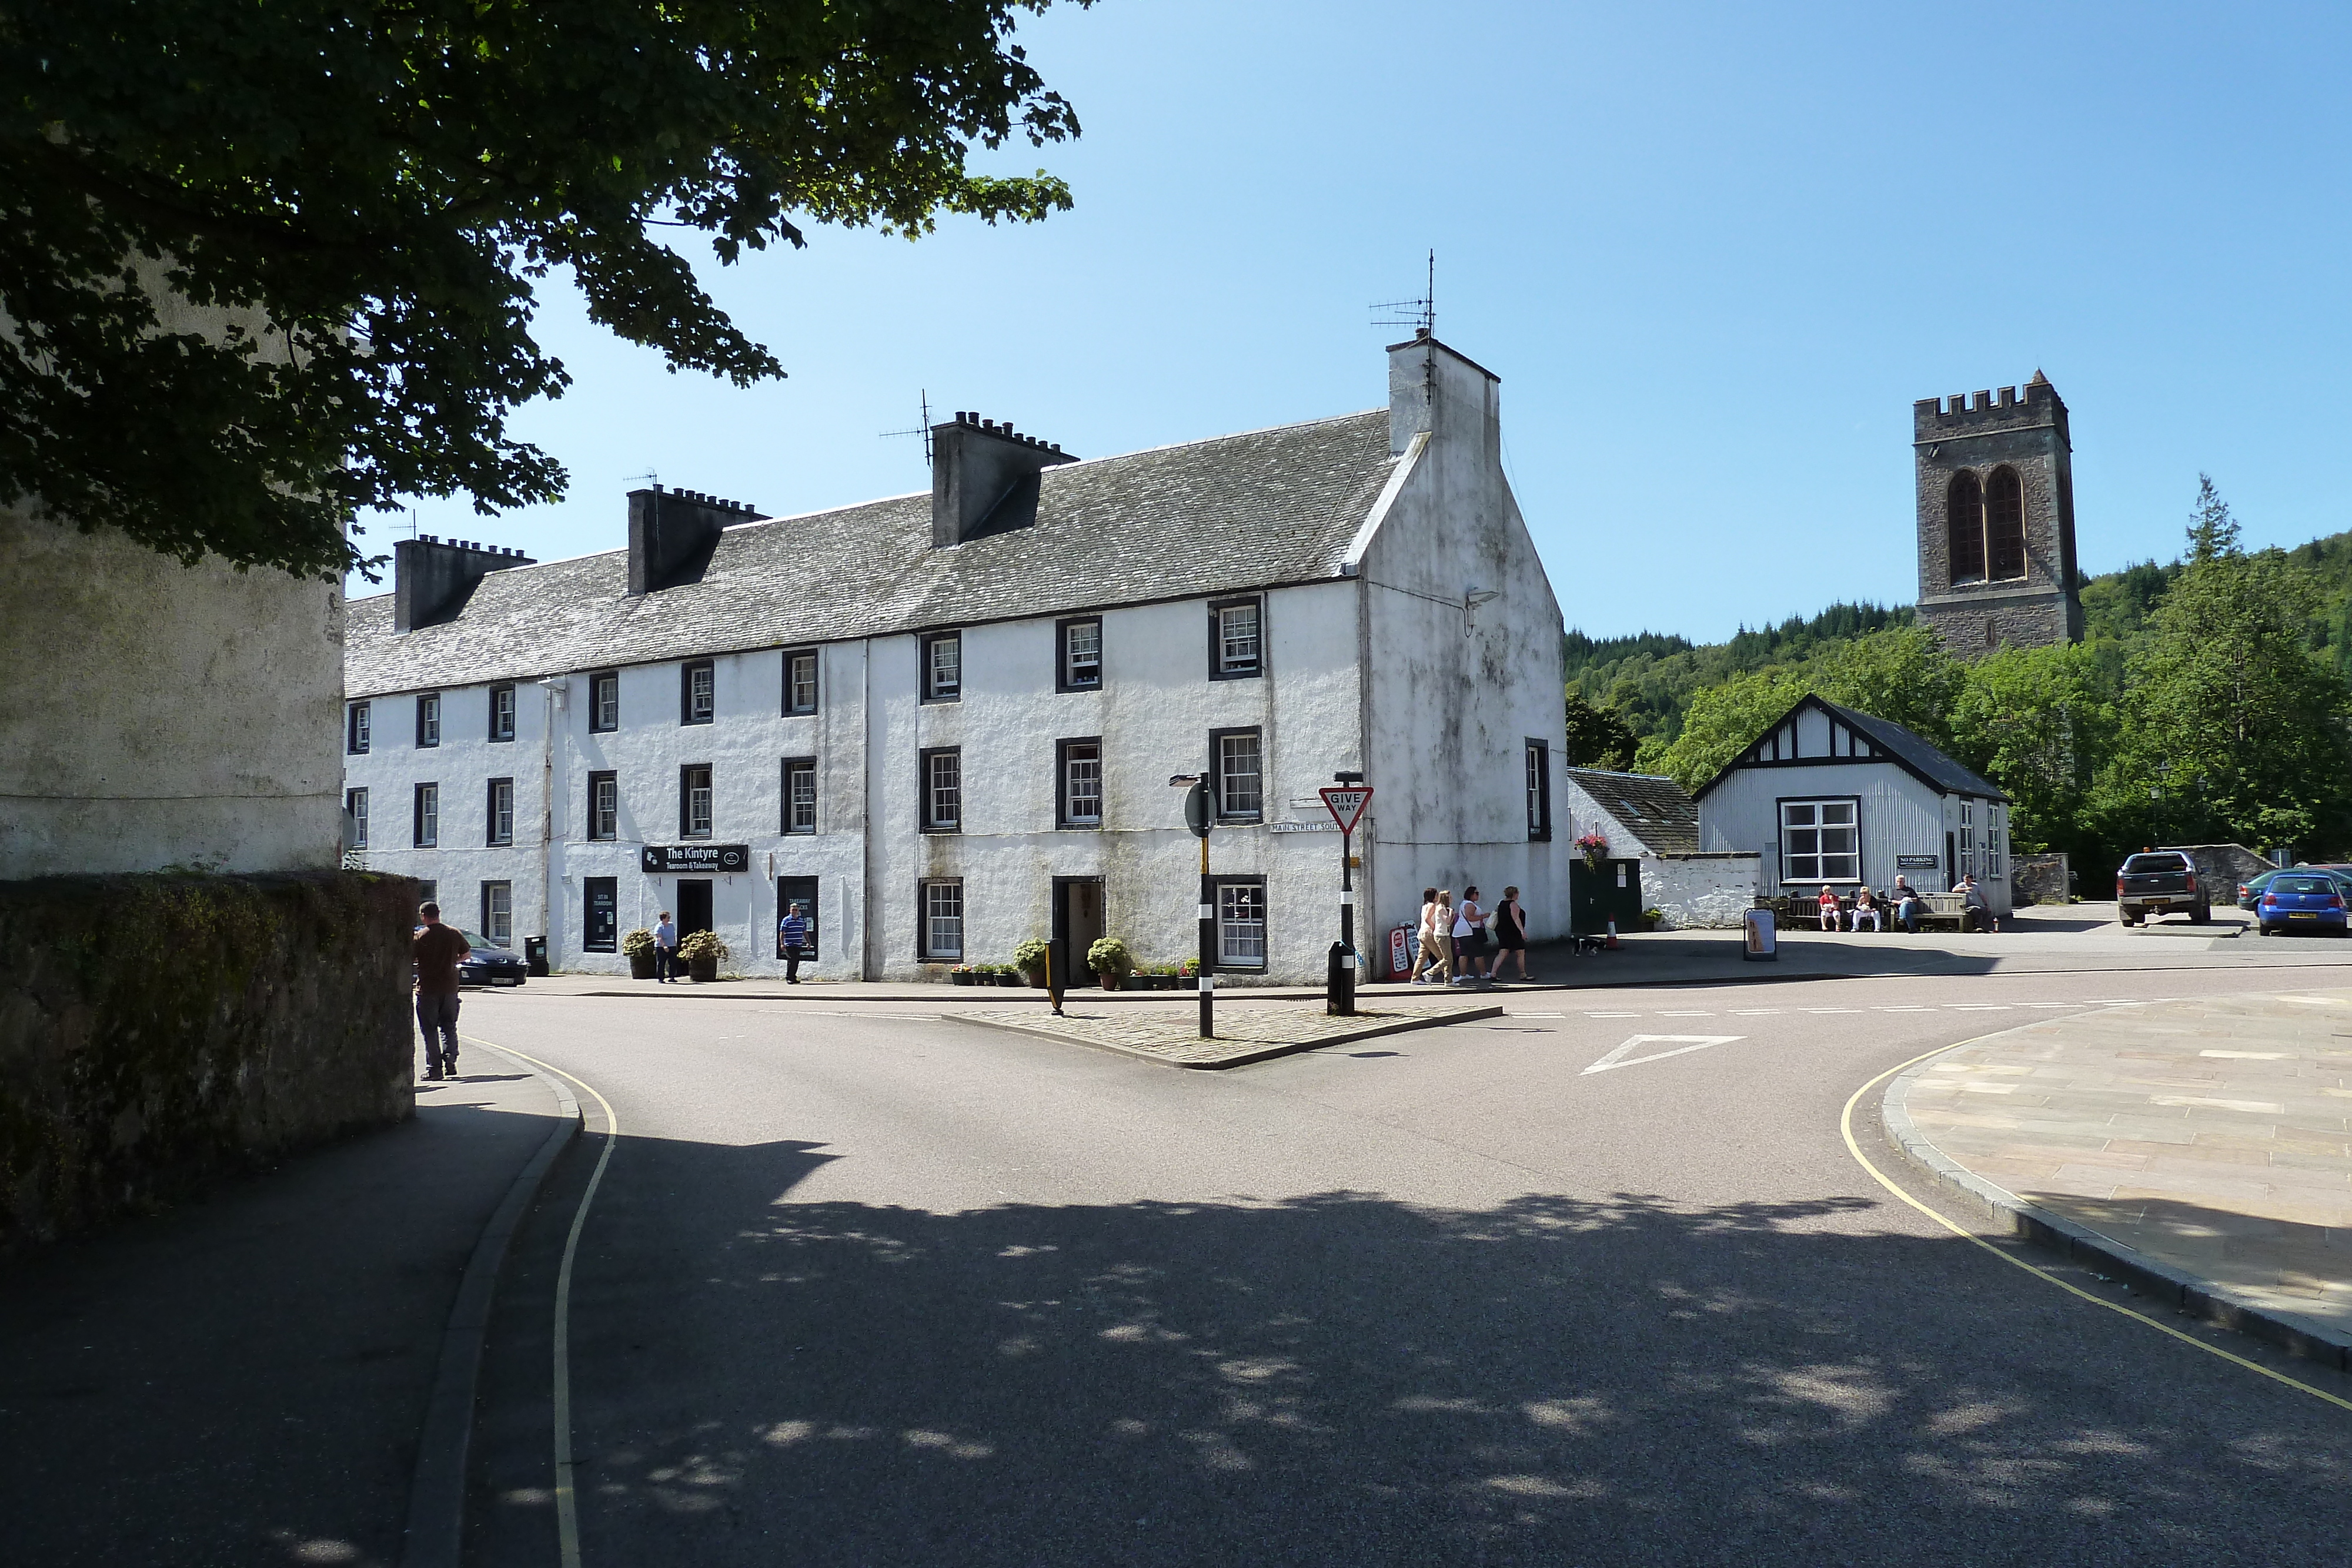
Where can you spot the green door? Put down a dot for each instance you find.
(1596, 896)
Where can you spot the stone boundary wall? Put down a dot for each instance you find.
(2222, 867)
(158, 1032)
(1701, 892)
(2039, 879)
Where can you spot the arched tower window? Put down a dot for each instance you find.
(1964, 528)
(2005, 525)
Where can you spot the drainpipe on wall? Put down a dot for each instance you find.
(556, 690)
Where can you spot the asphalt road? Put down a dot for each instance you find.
(865, 1285)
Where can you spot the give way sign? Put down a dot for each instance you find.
(1347, 804)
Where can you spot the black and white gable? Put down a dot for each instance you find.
(1817, 733)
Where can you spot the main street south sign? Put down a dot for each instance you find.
(663, 860)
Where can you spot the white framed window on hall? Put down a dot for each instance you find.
(428, 719)
(603, 806)
(799, 795)
(941, 920)
(605, 701)
(498, 912)
(698, 692)
(355, 801)
(1237, 639)
(502, 711)
(942, 655)
(943, 787)
(1237, 775)
(425, 831)
(1241, 924)
(502, 812)
(1080, 663)
(694, 800)
(1821, 840)
(1079, 784)
(360, 733)
(800, 680)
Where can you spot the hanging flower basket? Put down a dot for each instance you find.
(1594, 848)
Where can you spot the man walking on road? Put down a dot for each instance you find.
(792, 934)
(437, 949)
(665, 950)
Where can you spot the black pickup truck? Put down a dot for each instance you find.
(2160, 881)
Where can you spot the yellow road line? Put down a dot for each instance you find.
(1845, 1125)
(567, 1505)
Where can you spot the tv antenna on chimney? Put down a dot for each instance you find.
(1420, 314)
(923, 430)
(649, 474)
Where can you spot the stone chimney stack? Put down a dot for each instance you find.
(673, 534)
(432, 579)
(984, 476)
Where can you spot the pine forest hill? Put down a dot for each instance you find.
(2210, 699)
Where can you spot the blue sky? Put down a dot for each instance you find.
(1713, 251)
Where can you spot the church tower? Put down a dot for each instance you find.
(1997, 519)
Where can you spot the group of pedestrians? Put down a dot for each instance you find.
(1466, 944)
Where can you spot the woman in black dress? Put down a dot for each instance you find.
(1510, 933)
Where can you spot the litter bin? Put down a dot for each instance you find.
(1761, 941)
(535, 955)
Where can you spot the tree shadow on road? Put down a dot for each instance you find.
(1342, 1378)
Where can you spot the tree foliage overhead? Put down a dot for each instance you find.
(358, 199)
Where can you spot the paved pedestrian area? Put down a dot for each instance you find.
(2212, 1136)
(1245, 1034)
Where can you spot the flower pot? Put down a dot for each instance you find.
(1011, 980)
(960, 977)
(1113, 980)
(705, 969)
(641, 965)
(1033, 977)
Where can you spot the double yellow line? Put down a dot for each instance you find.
(1845, 1125)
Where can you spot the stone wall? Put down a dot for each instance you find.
(1701, 892)
(158, 1032)
(2039, 879)
(2221, 867)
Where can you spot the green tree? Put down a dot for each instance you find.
(1902, 674)
(2227, 713)
(1598, 737)
(1722, 722)
(272, 262)
(2039, 722)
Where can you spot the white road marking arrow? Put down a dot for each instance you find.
(1679, 1044)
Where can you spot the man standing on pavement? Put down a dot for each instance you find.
(437, 950)
(792, 934)
(665, 950)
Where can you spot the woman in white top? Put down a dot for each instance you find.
(1425, 951)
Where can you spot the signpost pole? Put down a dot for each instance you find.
(1345, 801)
(1198, 819)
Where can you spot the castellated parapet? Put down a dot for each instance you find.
(1996, 515)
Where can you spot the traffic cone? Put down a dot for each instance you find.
(1613, 937)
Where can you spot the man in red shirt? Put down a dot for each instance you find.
(437, 950)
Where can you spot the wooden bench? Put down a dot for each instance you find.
(1944, 912)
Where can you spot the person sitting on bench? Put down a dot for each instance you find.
(1865, 907)
(1832, 920)
(1976, 909)
(1908, 906)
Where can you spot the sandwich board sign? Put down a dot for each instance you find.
(1346, 803)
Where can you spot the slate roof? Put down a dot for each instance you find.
(1916, 757)
(1255, 510)
(1654, 810)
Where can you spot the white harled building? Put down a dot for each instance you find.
(946, 721)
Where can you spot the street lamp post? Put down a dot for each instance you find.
(1198, 818)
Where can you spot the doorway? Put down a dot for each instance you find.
(800, 890)
(693, 905)
(1077, 919)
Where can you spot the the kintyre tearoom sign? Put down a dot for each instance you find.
(662, 860)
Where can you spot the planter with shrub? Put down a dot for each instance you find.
(1112, 959)
(702, 952)
(961, 975)
(1030, 960)
(638, 947)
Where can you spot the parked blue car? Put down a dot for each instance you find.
(2302, 901)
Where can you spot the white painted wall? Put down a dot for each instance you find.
(1455, 692)
(1439, 723)
(1899, 815)
(157, 715)
(1701, 892)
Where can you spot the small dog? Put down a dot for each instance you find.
(1590, 944)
